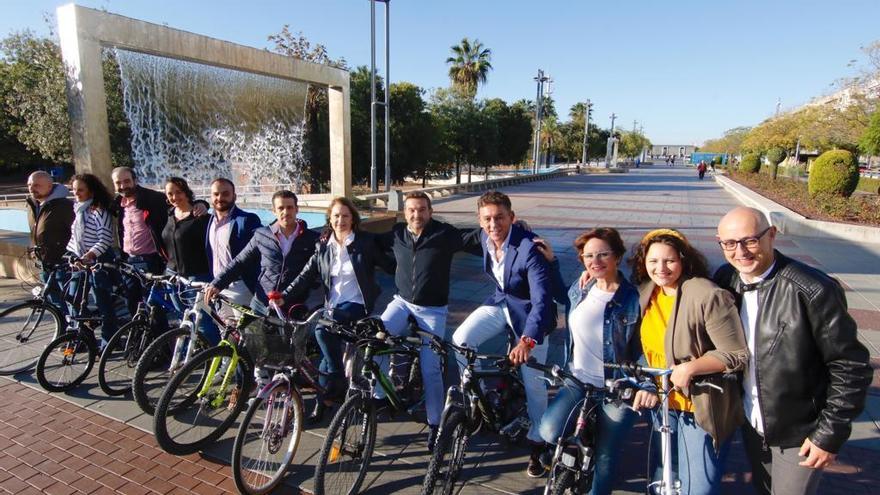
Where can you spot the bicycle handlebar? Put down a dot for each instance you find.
(699, 381)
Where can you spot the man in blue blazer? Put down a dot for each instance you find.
(229, 230)
(522, 300)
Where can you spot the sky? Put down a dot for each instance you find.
(686, 70)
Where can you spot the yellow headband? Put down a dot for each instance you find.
(658, 232)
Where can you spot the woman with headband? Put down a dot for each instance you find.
(692, 326)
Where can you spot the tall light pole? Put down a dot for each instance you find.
(536, 153)
(586, 131)
(374, 187)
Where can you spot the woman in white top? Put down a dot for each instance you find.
(344, 262)
(91, 239)
(603, 317)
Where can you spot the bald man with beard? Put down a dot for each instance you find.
(808, 374)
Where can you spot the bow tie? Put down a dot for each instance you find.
(750, 287)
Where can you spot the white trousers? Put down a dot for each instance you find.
(487, 322)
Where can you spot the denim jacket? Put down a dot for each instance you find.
(621, 340)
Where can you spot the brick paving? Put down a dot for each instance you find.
(59, 444)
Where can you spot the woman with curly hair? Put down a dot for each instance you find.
(691, 325)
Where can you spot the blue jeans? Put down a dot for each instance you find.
(182, 300)
(613, 425)
(102, 288)
(331, 366)
(431, 319)
(152, 263)
(694, 460)
(53, 289)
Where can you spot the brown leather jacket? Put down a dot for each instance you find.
(705, 321)
(50, 223)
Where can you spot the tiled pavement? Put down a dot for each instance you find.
(50, 444)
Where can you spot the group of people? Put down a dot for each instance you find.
(781, 325)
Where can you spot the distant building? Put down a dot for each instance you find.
(678, 150)
(843, 98)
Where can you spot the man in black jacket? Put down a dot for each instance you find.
(423, 248)
(808, 374)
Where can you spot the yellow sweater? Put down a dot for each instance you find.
(653, 330)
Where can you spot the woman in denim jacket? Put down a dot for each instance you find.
(602, 320)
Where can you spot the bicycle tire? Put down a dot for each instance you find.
(150, 377)
(120, 357)
(354, 410)
(24, 333)
(72, 367)
(448, 456)
(190, 417)
(256, 474)
(562, 484)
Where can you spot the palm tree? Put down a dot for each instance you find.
(470, 64)
(551, 134)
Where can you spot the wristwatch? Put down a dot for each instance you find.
(528, 341)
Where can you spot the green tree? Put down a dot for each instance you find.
(469, 66)
(457, 120)
(412, 133)
(516, 133)
(869, 143)
(730, 142)
(775, 157)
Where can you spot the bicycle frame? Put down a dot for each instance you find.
(227, 376)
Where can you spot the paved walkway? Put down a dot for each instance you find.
(84, 442)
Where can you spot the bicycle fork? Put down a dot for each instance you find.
(217, 401)
(667, 485)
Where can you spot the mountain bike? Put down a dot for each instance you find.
(203, 399)
(27, 327)
(116, 367)
(572, 466)
(269, 434)
(468, 409)
(67, 360)
(348, 447)
(170, 352)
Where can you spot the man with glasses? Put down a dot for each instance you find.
(808, 374)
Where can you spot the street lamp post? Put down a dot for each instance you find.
(536, 154)
(374, 187)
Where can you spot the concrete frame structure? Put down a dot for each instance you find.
(83, 33)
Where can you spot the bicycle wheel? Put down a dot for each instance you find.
(561, 482)
(347, 449)
(267, 440)
(153, 370)
(195, 409)
(120, 357)
(25, 330)
(66, 362)
(448, 456)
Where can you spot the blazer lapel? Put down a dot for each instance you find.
(509, 257)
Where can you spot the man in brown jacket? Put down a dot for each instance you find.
(50, 216)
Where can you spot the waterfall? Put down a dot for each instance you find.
(200, 122)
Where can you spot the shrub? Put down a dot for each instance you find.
(751, 163)
(834, 172)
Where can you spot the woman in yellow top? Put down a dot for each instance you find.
(692, 326)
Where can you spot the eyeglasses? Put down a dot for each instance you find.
(747, 242)
(601, 256)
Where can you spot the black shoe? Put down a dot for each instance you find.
(433, 431)
(317, 413)
(535, 468)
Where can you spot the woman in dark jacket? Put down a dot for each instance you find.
(344, 261)
(183, 243)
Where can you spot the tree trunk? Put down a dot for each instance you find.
(469, 172)
(458, 173)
